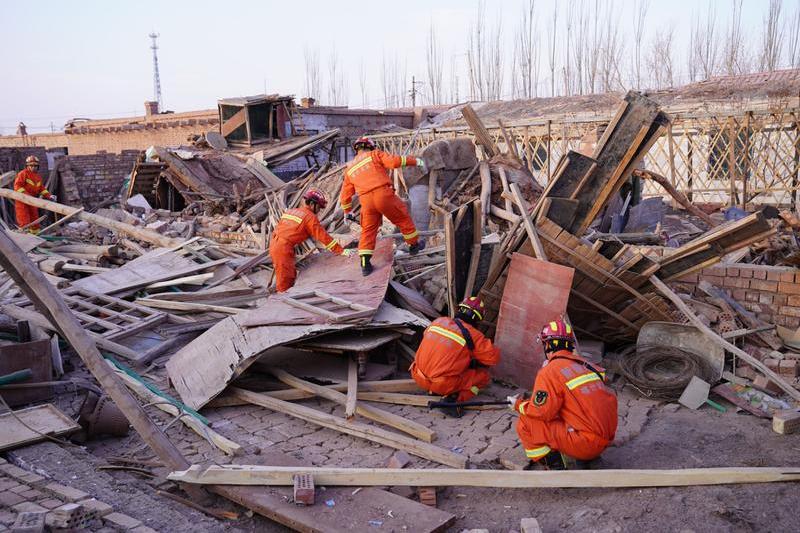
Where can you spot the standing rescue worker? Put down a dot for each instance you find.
(294, 227)
(571, 411)
(367, 175)
(453, 356)
(29, 182)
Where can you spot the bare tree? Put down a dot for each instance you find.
(475, 56)
(593, 46)
(389, 77)
(566, 69)
(312, 74)
(611, 51)
(435, 64)
(660, 62)
(734, 56)
(552, 47)
(337, 81)
(525, 64)
(454, 96)
(704, 45)
(638, 38)
(493, 62)
(579, 46)
(771, 38)
(362, 84)
(793, 41)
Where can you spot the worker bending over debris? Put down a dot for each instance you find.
(572, 411)
(453, 356)
(294, 227)
(29, 182)
(367, 175)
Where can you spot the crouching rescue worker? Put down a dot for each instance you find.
(367, 175)
(571, 411)
(295, 226)
(453, 357)
(29, 182)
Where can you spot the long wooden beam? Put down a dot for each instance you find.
(114, 225)
(518, 479)
(357, 429)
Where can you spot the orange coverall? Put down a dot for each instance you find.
(29, 182)
(442, 362)
(367, 176)
(295, 226)
(571, 410)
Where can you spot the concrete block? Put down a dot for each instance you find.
(9, 499)
(28, 522)
(786, 422)
(65, 493)
(101, 508)
(121, 522)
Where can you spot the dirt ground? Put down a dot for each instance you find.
(650, 435)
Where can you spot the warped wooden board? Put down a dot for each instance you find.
(203, 368)
(44, 418)
(423, 477)
(536, 292)
(336, 275)
(25, 241)
(352, 512)
(154, 266)
(413, 299)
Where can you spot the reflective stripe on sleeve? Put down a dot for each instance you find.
(30, 182)
(409, 236)
(360, 164)
(521, 407)
(474, 390)
(582, 380)
(537, 453)
(330, 245)
(449, 334)
(293, 218)
(21, 189)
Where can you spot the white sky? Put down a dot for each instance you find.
(65, 59)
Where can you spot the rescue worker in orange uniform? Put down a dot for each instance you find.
(294, 227)
(453, 357)
(571, 411)
(367, 175)
(29, 181)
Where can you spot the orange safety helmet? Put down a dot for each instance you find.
(316, 196)
(31, 160)
(363, 142)
(472, 305)
(557, 330)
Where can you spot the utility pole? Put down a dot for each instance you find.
(156, 78)
(414, 91)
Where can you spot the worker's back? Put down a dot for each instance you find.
(293, 226)
(368, 170)
(443, 349)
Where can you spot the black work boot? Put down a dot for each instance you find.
(414, 249)
(554, 461)
(454, 412)
(366, 265)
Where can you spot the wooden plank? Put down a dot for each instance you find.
(535, 293)
(378, 415)
(529, 227)
(155, 303)
(482, 135)
(61, 221)
(450, 263)
(352, 388)
(746, 357)
(237, 120)
(371, 433)
(26, 426)
(420, 477)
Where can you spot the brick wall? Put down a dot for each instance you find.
(14, 159)
(772, 293)
(90, 180)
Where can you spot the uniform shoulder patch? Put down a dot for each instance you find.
(539, 397)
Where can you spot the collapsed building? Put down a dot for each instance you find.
(662, 225)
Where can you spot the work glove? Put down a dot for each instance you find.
(421, 163)
(351, 217)
(348, 252)
(512, 401)
(53, 198)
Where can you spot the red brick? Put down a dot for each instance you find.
(751, 296)
(789, 368)
(715, 271)
(773, 275)
(790, 311)
(746, 273)
(793, 300)
(770, 286)
(765, 298)
(772, 364)
(787, 277)
(730, 271)
(760, 274)
(692, 278)
(714, 280)
(738, 294)
(792, 322)
(750, 306)
(789, 288)
(764, 384)
(780, 299)
(304, 489)
(737, 282)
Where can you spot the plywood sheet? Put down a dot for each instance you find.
(203, 368)
(35, 355)
(43, 418)
(335, 275)
(535, 293)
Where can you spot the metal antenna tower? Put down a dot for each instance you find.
(156, 79)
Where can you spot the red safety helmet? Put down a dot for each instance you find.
(363, 142)
(474, 305)
(314, 195)
(557, 330)
(32, 160)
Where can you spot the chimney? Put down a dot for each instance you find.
(150, 108)
(307, 102)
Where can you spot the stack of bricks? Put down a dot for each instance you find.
(23, 492)
(90, 180)
(772, 293)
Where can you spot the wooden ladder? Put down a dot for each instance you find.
(334, 313)
(295, 119)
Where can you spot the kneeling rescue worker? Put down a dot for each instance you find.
(295, 226)
(367, 175)
(29, 182)
(571, 411)
(453, 356)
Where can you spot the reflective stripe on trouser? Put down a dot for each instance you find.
(535, 433)
(537, 453)
(379, 203)
(282, 254)
(25, 214)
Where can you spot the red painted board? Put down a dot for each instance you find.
(535, 293)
